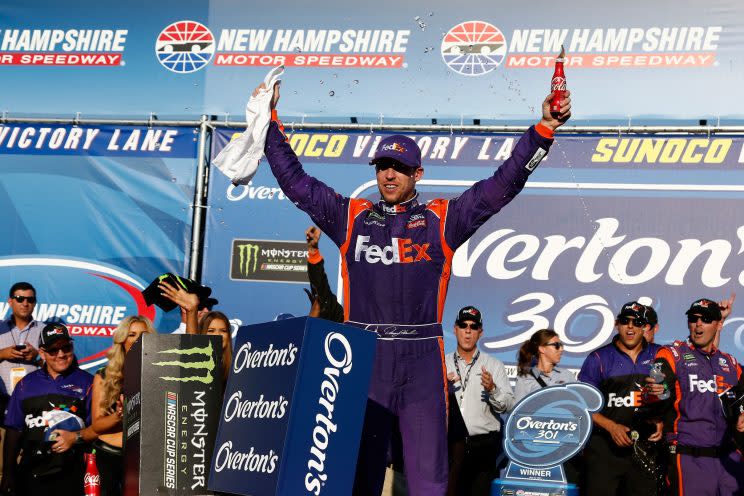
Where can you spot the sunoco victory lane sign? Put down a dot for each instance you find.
(293, 409)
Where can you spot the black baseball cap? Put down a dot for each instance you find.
(635, 310)
(51, 333)
(152, 295)
(469, 313)
(705, 307)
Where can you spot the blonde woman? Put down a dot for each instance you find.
(107, 405)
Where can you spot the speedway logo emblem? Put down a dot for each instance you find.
(265, 260)
(473, 48)
(184, 46)
(187, 46)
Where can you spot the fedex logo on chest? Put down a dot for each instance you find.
(632, 399)
(400, 250)
(717, 384)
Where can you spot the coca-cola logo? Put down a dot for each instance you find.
(558, 83)
(92, 480)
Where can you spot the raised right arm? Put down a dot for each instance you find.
(326, 208)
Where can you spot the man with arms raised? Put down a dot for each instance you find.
(396, 257)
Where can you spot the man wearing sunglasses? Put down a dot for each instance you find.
(396, 259)
(619, 370)
(481, 388)
(19, 338)
(703, 459)
(46, 420)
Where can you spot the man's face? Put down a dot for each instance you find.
(59, 355)
(467, 334)
(631, 330)
(22, 303)
(702, 333)
(395, 181)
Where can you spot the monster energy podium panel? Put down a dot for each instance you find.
(173, 395)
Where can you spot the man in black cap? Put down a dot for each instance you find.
(482, 391)
(46, 420)
(626, 422)
(702, 379)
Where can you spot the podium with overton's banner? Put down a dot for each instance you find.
(293, 410)
(545, 429)
(172, 396)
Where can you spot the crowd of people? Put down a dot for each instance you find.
(652, 436)
(53, 411)
(670, 412)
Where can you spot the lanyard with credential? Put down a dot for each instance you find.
(464, 380)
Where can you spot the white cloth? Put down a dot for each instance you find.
(239, 159)
(181, 329)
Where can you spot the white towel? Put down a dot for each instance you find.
(239, 159)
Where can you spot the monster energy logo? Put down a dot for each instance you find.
(178, 280)
(248, 255)
(207, 365)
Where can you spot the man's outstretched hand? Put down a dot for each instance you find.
(274, 98)
(554, 122)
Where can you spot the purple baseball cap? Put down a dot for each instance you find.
(399, 148)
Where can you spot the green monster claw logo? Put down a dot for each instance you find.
(207, 365)
(178, 280)
(248, 254)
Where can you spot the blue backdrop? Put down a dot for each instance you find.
(90, 226)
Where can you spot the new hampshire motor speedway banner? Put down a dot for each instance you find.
(90, 216)
(374, 60)
(603, 220)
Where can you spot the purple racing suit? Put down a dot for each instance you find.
(395, 264)
(703, 459)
